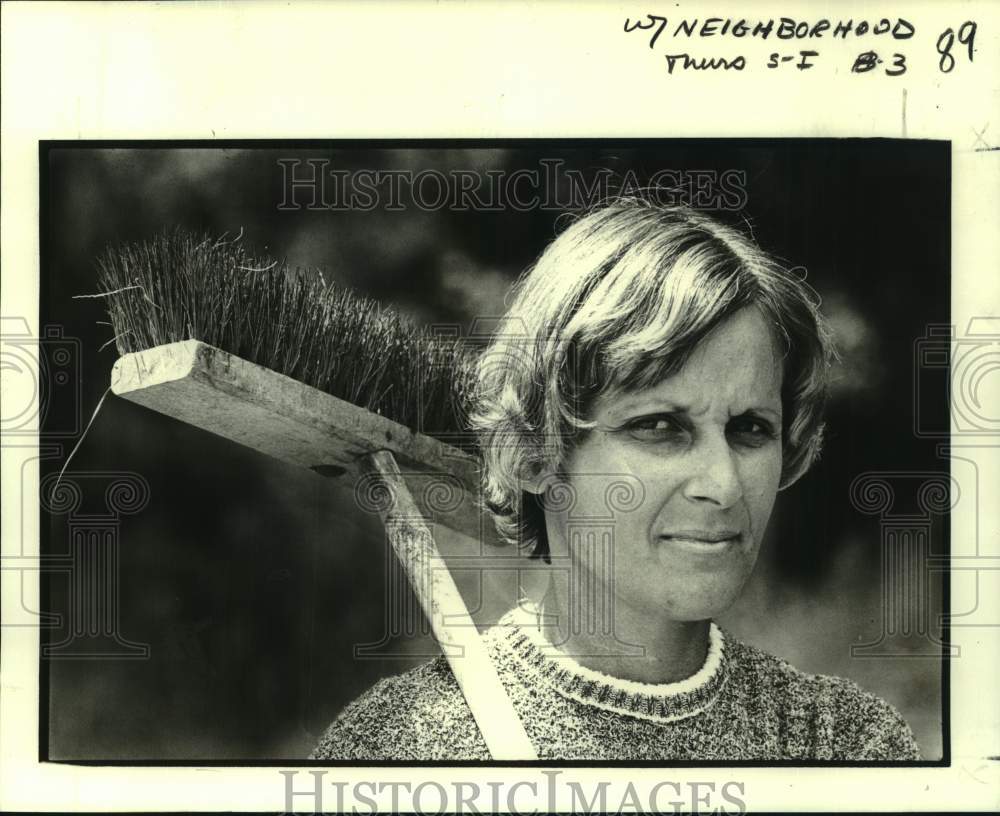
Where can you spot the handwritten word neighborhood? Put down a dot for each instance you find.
(885, 30)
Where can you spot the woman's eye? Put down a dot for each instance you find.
(654, 427)
(753, 431)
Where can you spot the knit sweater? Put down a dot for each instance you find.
(743, 704)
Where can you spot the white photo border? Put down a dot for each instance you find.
(244, 70)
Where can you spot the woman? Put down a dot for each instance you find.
(658, 380)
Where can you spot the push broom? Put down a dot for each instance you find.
(279, 360)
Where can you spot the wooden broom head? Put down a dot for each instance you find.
(179, 285)
(291, 365)
(262, 409)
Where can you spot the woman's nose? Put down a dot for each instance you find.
(713, 476)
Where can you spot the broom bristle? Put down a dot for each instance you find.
(181, 286)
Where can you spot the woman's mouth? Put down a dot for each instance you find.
(703, 541)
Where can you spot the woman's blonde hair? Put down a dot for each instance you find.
(619, 300)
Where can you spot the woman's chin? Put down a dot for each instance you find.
(699, 611)
(694, 597)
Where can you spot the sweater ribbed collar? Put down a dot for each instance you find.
(520, 631)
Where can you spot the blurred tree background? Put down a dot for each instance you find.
(252, 581)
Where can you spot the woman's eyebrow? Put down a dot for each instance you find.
(650, 404)
(761, 410)
(657, 405)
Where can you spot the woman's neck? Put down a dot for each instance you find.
(625, 642)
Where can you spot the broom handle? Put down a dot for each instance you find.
(433, 584)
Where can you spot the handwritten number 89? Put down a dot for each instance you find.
(966, 36)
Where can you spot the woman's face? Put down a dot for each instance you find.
(705, 444)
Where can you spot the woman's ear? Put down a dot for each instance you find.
(536, 478)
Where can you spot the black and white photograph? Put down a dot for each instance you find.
(468, 407)
(526, 451)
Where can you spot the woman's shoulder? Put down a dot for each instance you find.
(842, 719)
(419, 714)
